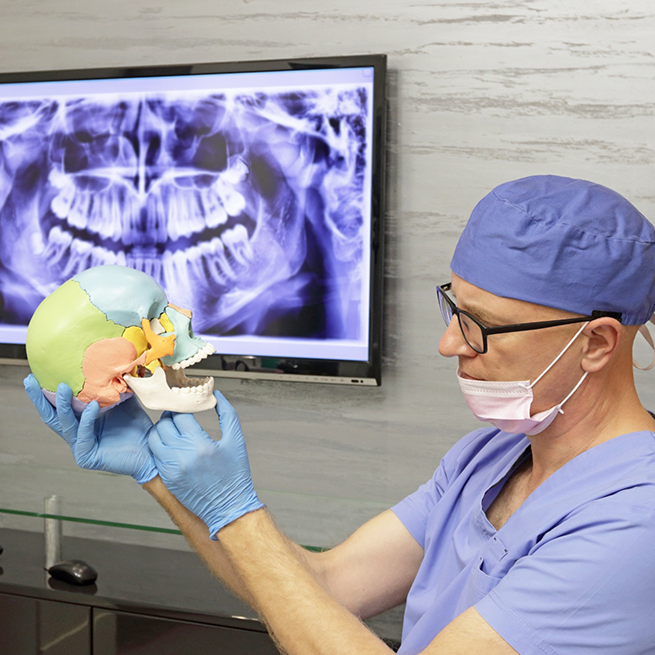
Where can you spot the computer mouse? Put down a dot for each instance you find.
(73, 571)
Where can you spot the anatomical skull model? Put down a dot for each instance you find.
(110, 331)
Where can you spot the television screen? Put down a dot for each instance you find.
(252, 192)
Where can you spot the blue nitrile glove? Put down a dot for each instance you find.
(116, 441)
(210, 478)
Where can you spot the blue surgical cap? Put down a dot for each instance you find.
(563, 243)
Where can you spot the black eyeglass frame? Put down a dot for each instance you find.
(516, 327)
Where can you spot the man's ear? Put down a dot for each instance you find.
(604, 338)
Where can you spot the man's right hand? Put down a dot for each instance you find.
(116, 441)
(210, 478)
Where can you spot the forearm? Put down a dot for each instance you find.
(301, 615)
(197, 534)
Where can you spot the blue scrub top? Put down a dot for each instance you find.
(573, 569)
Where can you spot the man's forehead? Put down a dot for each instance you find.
(493, 309)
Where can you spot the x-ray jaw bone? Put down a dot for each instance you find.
(110, 331)
(210, 195)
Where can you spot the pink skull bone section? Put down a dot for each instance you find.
(105, 363)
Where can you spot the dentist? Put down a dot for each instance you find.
(535, 535)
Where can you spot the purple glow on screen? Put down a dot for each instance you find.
(250, 206)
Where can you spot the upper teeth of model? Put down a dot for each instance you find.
(199, 356)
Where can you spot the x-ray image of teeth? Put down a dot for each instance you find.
(249, 208)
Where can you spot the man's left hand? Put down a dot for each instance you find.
(115, 441)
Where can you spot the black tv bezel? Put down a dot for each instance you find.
(362, 373)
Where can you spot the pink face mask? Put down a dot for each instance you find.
(506, 405)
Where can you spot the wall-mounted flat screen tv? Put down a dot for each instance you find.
(253, 192)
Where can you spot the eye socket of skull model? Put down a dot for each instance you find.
(107, 333)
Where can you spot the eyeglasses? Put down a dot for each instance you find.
(475, 333)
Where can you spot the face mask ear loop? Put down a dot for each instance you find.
(568, 345)
(644, 331)
(575, 388)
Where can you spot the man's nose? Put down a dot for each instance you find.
(452, 342)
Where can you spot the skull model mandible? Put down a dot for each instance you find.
(110, 331)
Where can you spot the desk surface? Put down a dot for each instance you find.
(173, 583)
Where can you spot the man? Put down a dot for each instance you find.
(533, 536)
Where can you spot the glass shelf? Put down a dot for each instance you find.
(112, 524)
(76, 519)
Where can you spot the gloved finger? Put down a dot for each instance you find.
(166, 414)
(66, 415)
(221, 401)
(87, 441)
(46, 411)
(167, 431)
(189, 429)
(228, 418)
(155, 443)
(133, 410)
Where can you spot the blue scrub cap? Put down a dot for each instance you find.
(563, 243)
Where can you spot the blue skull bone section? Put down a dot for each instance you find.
(187, 345)
(124, 295)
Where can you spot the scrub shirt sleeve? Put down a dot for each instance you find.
(414, 510)
(586, 587)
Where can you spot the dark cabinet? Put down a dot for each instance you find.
(32, 626)
(123, 633)
(146, 601)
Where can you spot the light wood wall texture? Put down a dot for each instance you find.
(479, 93)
